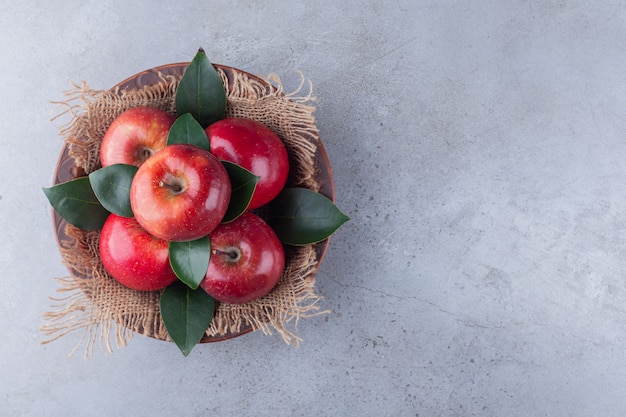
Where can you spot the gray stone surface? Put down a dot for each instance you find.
(479, 149)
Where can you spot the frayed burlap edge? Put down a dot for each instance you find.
(93, 302)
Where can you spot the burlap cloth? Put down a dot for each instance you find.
(91, 301)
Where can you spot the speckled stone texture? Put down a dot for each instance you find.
(478, 148)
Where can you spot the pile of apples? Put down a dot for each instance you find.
(181, 193)
(175, 201)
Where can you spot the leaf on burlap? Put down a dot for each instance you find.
(186, 313)
(201, 91)
(76, 202)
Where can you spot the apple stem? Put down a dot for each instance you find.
(172, 187)
(232, 253)
(143, 153)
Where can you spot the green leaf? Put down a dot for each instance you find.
(186, 314)
(76, 202)
(243, 183)
(111, 186)
(187, 130)
(201, 91)
(190, 260)
(300, 216)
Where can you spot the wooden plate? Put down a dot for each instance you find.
(66, 168)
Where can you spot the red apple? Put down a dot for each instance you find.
(180, 193)
(247, 260)
(135, 135)
(255, 147)
(133, 257)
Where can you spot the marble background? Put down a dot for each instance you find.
(478, 148)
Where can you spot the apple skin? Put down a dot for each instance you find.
(133, 257)
(180, 193)
(247, 260)
(255, 147)
(135, 135)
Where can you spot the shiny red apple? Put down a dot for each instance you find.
(247, 260)
(135, 135)
(180, 193)
(255, 147)
(133, 257)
